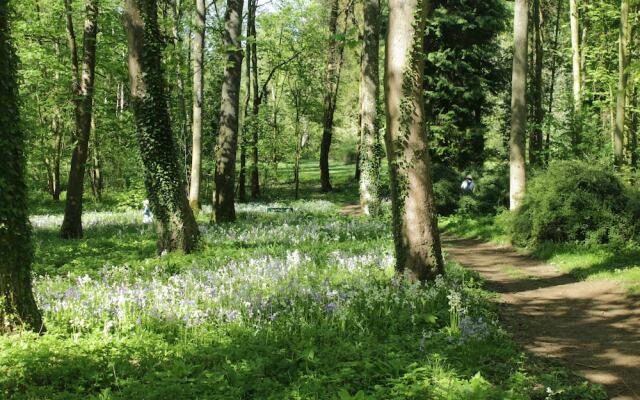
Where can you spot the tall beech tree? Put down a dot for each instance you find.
(17, 304)
(517, 174)
(415, 225)
(332, 79)
(166, 187)
(576, 67)
(82, 87)
(369, 160)
(535, 137)
(623, 77)
(197, 56)
(229, 112)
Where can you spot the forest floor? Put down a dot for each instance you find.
(592, 326)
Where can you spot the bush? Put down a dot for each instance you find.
(573, 201)
(446, 188)
(492, 191)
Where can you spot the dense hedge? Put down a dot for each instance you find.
(574, 201)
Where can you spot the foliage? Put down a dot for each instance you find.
(296, 305)
(464, 65)
(491, 193)
(574, 201)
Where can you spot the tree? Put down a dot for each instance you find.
(535, 142)
(198, 92)
(229, 112)
(518, 104)
(17, 304)
(623, 77)
(332, 79)
(369, 160)
(166, 188)
(83, 97)
(576, 68)
(415, 226)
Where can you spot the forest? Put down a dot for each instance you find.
(319, 199)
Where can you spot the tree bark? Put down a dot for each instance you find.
(332, 74)
(576, 68)
(535, 143)
(518, 105)
(17, 304)
(416, 237)
(257, 101)
(229, 111)
(83, 92)
(368, 156)
(166, 187)
(198, 94)
(96, 167)
(242, 186)
(623, 77)
(552, 84)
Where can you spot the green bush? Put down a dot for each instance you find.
(446, 188)
(574, 201)
(492, 190)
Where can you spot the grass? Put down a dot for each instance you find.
(296, 305)
(585, 262)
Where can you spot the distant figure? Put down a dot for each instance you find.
(467, 185)
(147, 217)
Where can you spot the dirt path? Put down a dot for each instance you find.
(591, 326)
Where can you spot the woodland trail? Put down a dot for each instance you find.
(591, 326)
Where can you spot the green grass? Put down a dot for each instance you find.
(585, 262)
(296, 305)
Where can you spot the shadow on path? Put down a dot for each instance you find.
(591, 325)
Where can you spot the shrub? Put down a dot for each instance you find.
(492, 191)
(446, 188)
(573, 201)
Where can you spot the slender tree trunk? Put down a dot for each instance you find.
(623, 76)
(229, 111)
(96, 167)
(166, 187)
(257, 100)
(198, 94)
(576, 68)
(184, 120)
(83, 90)
(17, 304)
(416, 236)
(369, 160)
(535, 144)
(329, 103)
(633, 131)
(554, 58)
(242, 190)
(518, 104)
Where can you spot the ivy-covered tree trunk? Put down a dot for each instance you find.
(332, 77)
(229, 112)
(623, 77)
(17, 304)
(177, 228)
(198, 103)
(535, 143)
(369, 160)
(83, 91)
(415, 225)
(517, 174)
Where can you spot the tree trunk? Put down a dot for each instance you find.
(554, 58)
(518, 104)
(166, 188)
(415, 225)
(329, 104)
(633, 131)
(242, 186)
(535, 143)
(257, 101)
(229, 111)
(576, 68)
(96, 167)
(17, 304)
(623, 76)
(198, 93)
(368, 156)
(83, 91)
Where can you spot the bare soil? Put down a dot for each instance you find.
(592, 327)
